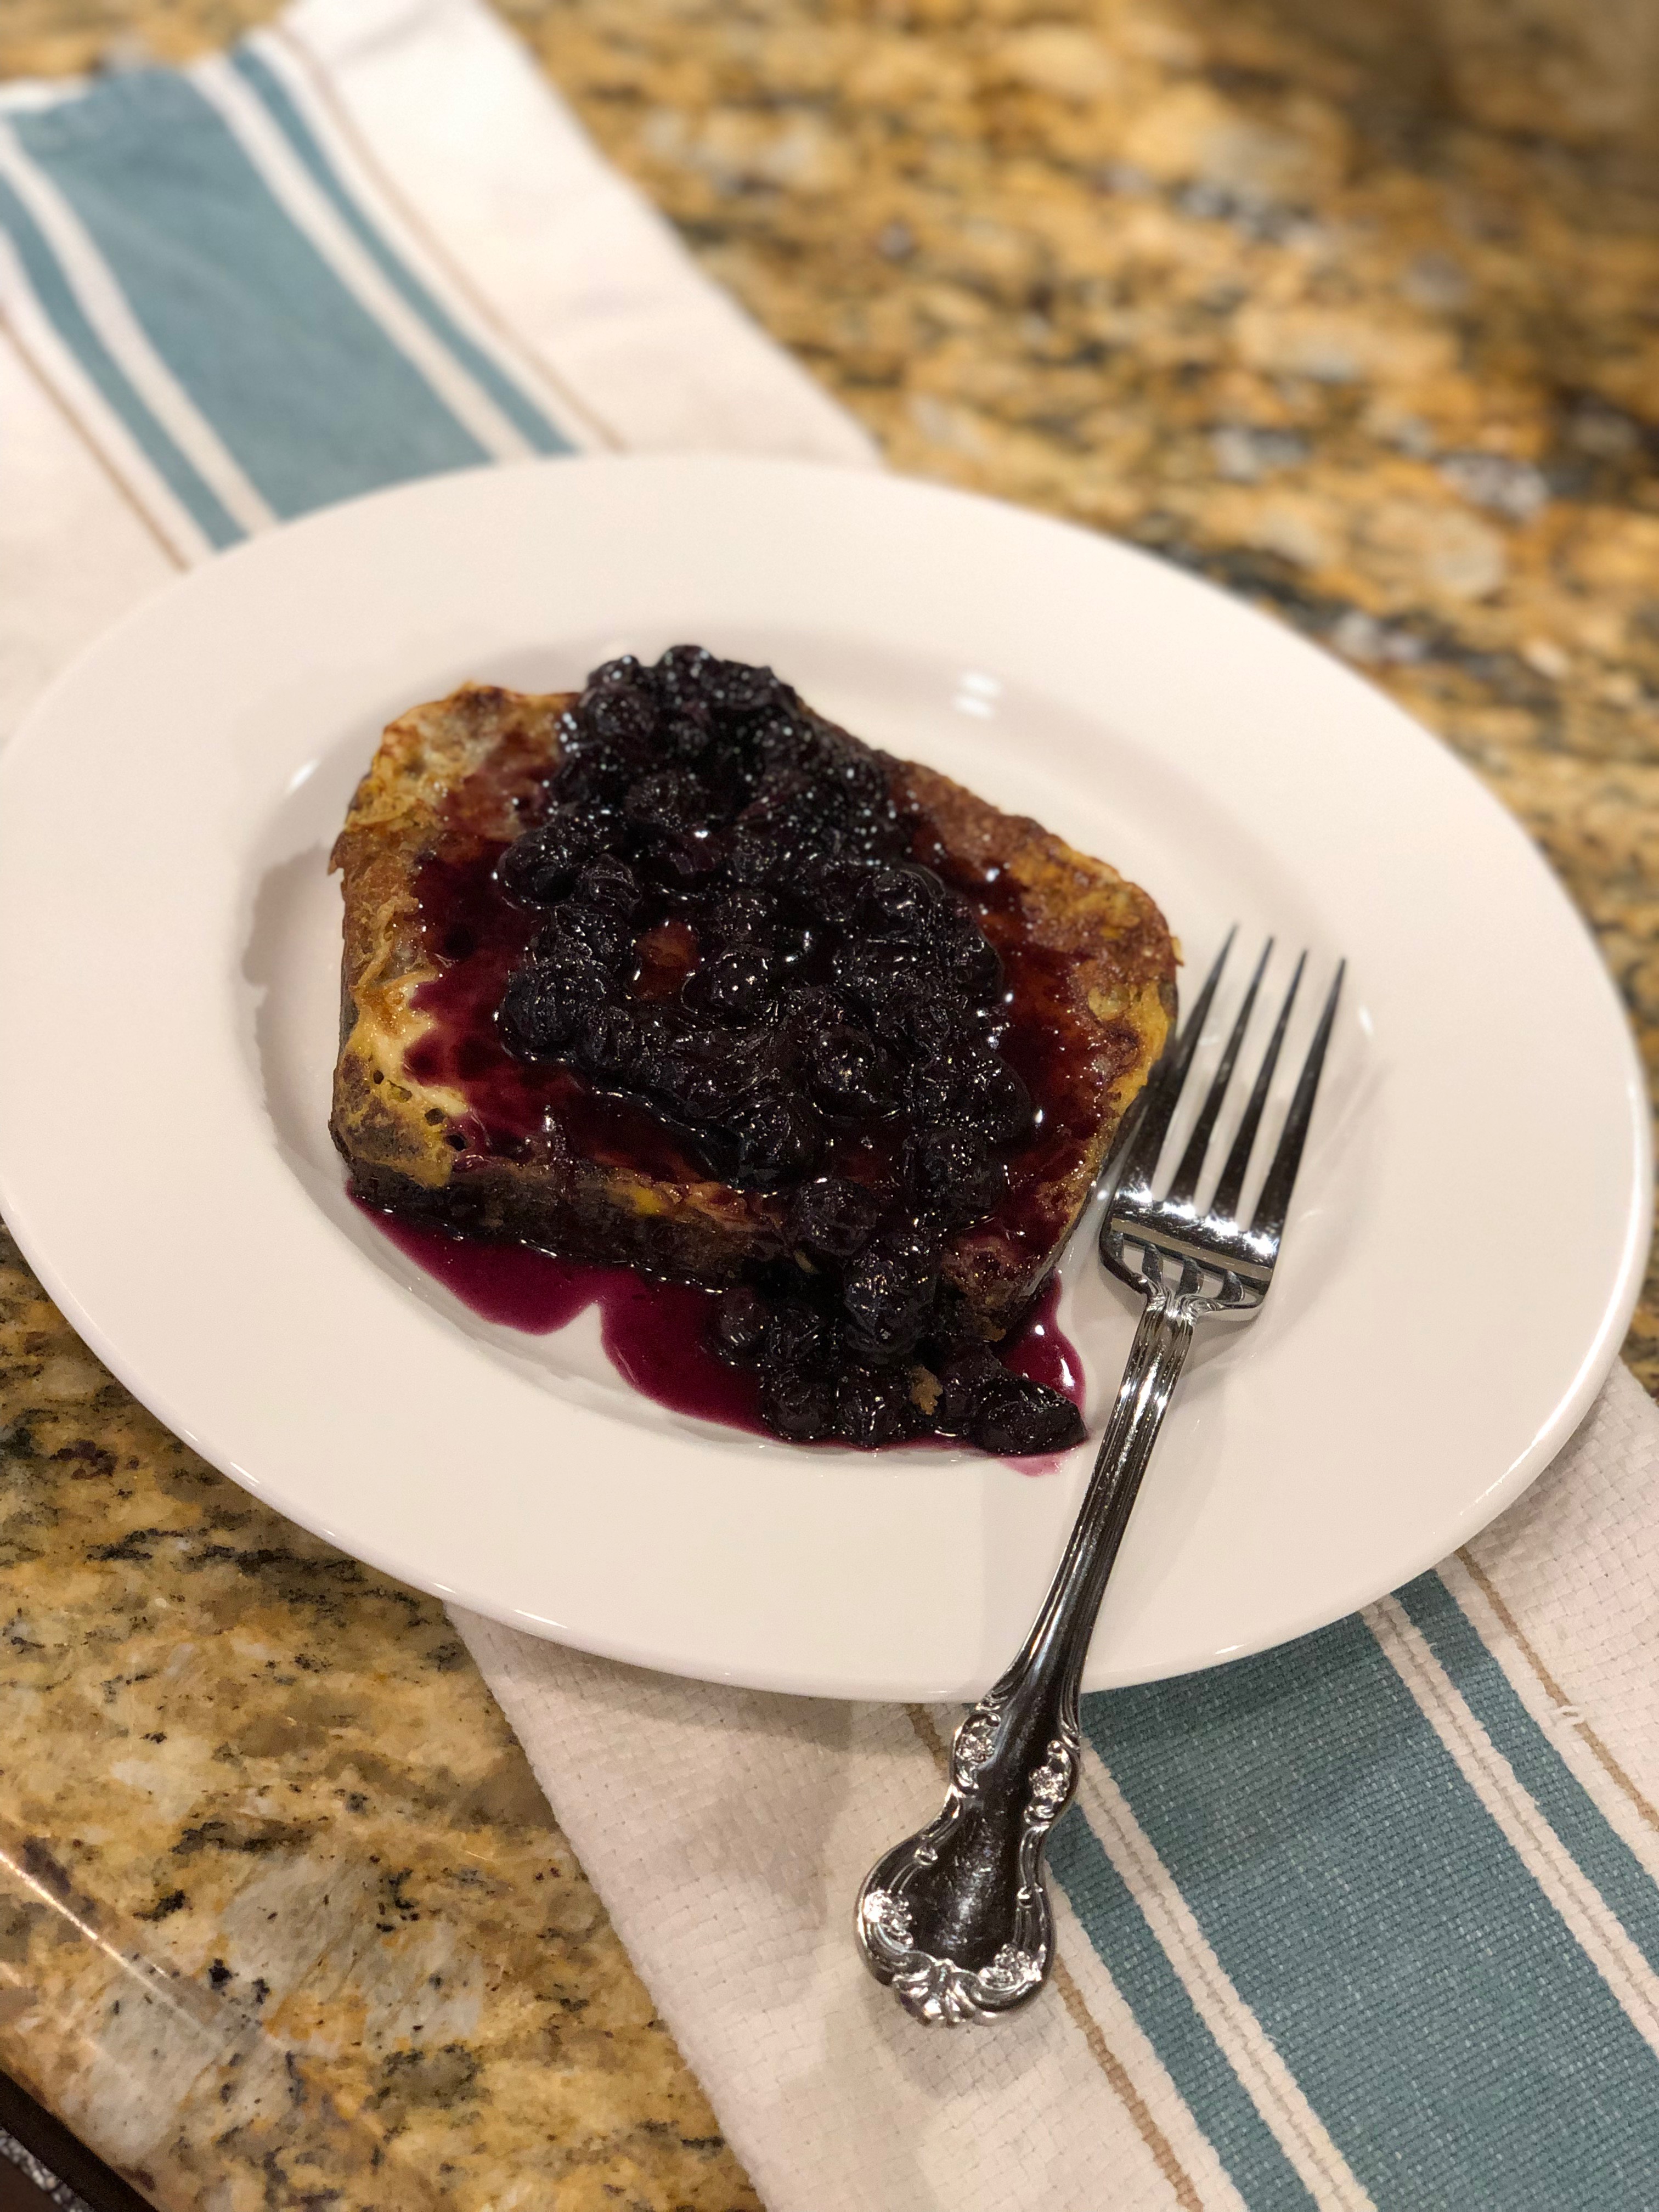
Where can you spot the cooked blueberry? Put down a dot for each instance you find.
(685, 672)
(671, 800)
(576, 931)
(739, 986)
(860, 780)
(740, 1317)
(963, 1381)
(739, 919)
(685, 733)
(888, 1291)
(920, 1017)
(830, 887)
(951, 1173)
(902, 902)
(975, 1086)
(798, 1336)
(867, 970)
(589, 775)
(706, 1077)
(741, 689)
(619, 714)
(540, 1012)
(774, 1144)
(847, 1074)
(608, 882)
(833, 1216)
(541, 863)
(972, 962)
(773, 835)
(1015, 1417)
(785, 742)
(608, 1043)
(875, 1407)
(686, 860)
(798, 1405)
(624, 669)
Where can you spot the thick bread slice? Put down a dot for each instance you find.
(1090, 958)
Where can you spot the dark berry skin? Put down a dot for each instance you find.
(963, 1381)
(919, 1018)
(798, 1336)
(901, 903)
(741, 918)
(952, 1175)
(540, 1013)
(798, 1405)
(684, 674)
(608, 882)
(740, 986)
(671, 800)
(888, 1291)
(845, 1075)
(543, 863)
(740, 1318)
(774, 1144)
(972, 1085)
(619, 714)
(833, 1216)
(874, 1407)
(831, 886)
(576, 931)
(1016, 1418)
(740, 689)
(608, 1043)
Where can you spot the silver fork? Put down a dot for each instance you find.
(956, 1918)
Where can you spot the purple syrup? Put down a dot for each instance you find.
(656, 1333)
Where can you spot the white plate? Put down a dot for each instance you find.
(1461, 1262)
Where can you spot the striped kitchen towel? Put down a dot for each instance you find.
(1369, 1921)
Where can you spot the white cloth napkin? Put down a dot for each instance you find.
(1371, 1921)
(728, 1830)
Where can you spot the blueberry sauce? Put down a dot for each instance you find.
(723, 946)
(656, 1333)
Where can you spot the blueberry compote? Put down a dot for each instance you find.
(716, 955)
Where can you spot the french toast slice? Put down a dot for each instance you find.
(444, 1116)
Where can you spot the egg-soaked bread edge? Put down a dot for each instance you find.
(446, 773)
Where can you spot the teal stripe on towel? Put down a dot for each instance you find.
(64, 311)
(521, 412)
(1602, 1853)
(299, 381)
(1194, 2062)
(1458, 2045)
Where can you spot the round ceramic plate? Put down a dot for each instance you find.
(1458, 1268)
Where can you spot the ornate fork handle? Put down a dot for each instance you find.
(957, 1918)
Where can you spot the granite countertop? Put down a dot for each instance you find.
(282, 1914)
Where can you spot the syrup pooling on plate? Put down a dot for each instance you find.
(714, 955)
(657, 1333)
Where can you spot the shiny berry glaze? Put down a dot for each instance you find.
(656, 1333)
(480, 936)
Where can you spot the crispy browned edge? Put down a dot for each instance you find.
(1117, 981)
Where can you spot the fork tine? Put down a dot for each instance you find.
(1185, 1181)
(1275, 1199)
(1224, 1204)
(1165, 1089)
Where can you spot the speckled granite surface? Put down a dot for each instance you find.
(280, 1909)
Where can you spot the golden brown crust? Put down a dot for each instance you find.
(1109, 991)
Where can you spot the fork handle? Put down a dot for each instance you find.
(956, 1918)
